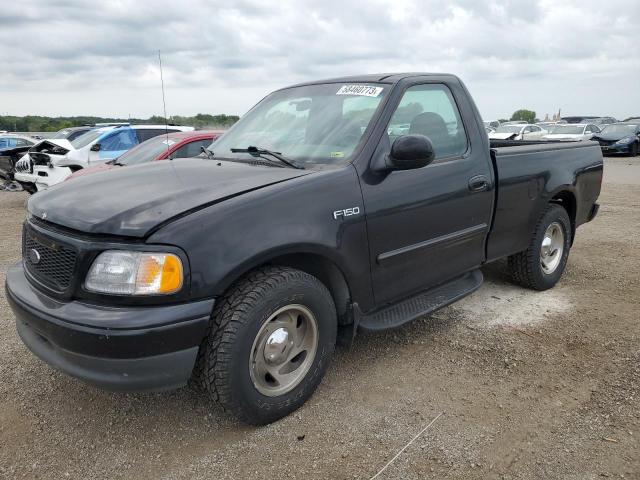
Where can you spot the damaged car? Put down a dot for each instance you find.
(52, 161)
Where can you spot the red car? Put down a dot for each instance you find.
(173, 145)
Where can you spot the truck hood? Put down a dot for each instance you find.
(132, 201)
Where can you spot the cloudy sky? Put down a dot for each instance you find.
(68, 57)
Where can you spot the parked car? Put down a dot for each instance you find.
(26, 176)
(11, 140)
(580, 118)
(601, 121)
(518, 131)
(572, 132)
(174, 145)
(12, 148)
(493, 125)
(240, 269)
(621, 137)
(72, 133)
(51, 161)
(548, 126)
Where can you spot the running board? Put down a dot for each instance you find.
(424, 303)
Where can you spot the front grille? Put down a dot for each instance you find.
(48, 261)
(24, 165)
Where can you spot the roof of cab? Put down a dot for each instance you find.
(390, 78)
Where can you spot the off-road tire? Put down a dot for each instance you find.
(525, 266)
(223, 367)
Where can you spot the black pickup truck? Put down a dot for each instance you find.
(335, 206)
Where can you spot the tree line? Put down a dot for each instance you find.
(37, 123)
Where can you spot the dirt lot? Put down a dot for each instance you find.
(532, 385)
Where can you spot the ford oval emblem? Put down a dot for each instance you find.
(34, 256)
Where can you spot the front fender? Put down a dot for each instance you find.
(230, 238)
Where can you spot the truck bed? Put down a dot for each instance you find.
(531, 173)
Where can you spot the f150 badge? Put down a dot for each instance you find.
(347, 212)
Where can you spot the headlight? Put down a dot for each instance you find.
(624, 140)
(119, 272)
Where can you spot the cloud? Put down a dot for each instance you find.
(78, 57)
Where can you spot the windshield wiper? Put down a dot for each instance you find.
(258, 152)
(207, 152)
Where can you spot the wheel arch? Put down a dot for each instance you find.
(314, 262)
(567, 200)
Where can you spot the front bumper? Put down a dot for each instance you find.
(46, 176)
(25, 177)
(97, 344)
(613, 149)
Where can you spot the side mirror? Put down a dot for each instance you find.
(409, 152)
(95, 147)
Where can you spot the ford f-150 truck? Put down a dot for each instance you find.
(351, 204)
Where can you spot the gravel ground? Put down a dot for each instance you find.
(532, 385)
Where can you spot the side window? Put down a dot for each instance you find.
(118, 141)
(21, 142)
(191, 149)
(430, 110)
(76, 134)
(8, 142)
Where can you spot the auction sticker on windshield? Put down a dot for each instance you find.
(363, 90)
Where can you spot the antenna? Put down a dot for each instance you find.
(164, 103)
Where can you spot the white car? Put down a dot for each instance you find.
(523, 131)
(572, 132)
(52, 161)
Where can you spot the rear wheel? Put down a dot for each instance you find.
(541, 265)
(271, 340)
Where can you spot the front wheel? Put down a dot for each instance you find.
(541, 265)
(271, 340)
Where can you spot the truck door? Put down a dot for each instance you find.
(428, 225)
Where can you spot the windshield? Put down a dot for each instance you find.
(62, 134)
(509, 129)
(568, 129)
(86, 138)
(313, 124)
(622, 130)
(147, 151)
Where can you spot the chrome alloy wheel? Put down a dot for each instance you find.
(283, 350)
(552, 248)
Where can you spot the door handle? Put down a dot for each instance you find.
(479, 183)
